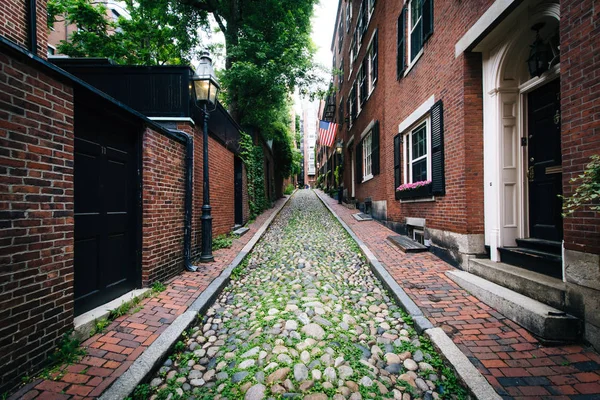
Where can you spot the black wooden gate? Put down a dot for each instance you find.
(105, 208)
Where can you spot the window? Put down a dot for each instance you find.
(415, 28)
(416, 21)
(371, 7)
(352, 55)
(373, 62)
(340, 34)
(419, 150)
(341, 112)
(362, 83)
(360, 22)
(352, 104)
(348, 16)
(341, 71)
(367, 156)
(417, 153)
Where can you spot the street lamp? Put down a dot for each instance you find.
(206, 89)
(539, 53)
(339, 147)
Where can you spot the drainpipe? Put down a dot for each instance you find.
(189, 183)
(32, 32)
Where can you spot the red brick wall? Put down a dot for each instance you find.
(580, 111)
(222, 189)
(13, 23)
(36, 217)
(455, 81)
(163, 207)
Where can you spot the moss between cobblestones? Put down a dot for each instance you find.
(306, 270)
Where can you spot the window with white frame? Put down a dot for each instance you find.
(417, 153)
(348, 15)
(372, 63)
(367, 156)
(415, 28)
(362, 84)
(340, 34)
(352, 55)
(371, 7)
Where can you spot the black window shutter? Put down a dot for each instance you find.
(401, 56)
(438, 182)
(375, 56)
(397, 160)
(427, 19)
(375, 149)
(359, 157)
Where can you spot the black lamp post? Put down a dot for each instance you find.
(339, 147)
(206, 89)
(539, 54)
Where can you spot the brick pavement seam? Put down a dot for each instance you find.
(468, 374)
(157, 351)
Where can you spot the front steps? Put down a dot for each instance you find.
(538, 255)
(548, 323)
(539, 287)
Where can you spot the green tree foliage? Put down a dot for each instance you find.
(587, 192)
(269, 53)
(158, 31)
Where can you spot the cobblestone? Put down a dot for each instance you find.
(306, 260)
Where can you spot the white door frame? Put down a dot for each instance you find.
(505, 86)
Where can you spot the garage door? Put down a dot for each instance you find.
(105, 209)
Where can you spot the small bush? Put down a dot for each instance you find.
(223, 242)
(289, 189)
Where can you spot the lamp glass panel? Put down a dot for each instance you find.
(202, 90)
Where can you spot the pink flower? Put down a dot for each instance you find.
(413, 185)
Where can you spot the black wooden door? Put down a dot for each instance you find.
(544, 162)
(238, 191)
(105, 211)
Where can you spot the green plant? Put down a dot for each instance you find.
(222, 242)
(337, 174)
(99, 326)
(587, 191)
(289, 189)
(158, 287)
(142, 392)
(253, 159)
(67, 351)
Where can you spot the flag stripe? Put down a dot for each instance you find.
(327, 132)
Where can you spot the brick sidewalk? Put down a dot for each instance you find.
(111, 353)
(512, 360)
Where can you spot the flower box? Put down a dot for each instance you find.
(414, 190)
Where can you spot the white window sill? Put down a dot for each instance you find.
(414, 61)
(367, 178)
(421, 200)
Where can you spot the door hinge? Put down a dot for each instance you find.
(523, 141)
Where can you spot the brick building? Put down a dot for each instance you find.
(94, 194)
(451, 95)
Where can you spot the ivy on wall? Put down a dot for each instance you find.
(254, 160)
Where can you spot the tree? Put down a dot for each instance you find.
(157, 32)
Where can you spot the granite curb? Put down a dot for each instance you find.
(158, 350)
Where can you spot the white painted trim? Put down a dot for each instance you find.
(422, 200)
(539, 81)
(350, 141)
(413, 221)
(482, 25)
(417, 114)
(367, 178)
(172, 119)
(367, 129)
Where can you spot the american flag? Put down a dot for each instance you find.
(327, 131)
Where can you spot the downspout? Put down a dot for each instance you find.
(189, 184)
(32, 32)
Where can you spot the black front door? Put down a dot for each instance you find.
(238, 191)
(544, 162)
(105, 211)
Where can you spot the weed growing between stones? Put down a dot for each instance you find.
(303, 317)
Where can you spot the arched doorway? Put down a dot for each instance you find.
(522, 159)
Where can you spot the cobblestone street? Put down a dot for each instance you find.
(303, 317)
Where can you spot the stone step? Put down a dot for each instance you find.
(548, 246)
(540, 287)
(548, 323)
(533, 260)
